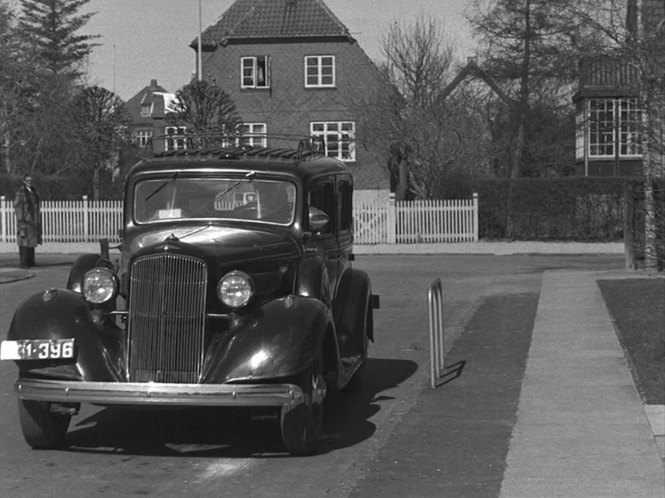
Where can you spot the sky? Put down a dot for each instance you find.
(142, 40)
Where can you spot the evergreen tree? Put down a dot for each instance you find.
(52, 26)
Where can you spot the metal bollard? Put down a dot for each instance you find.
(436, 331)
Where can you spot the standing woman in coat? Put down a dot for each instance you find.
(29, 222)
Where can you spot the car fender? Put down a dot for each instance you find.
(312, 280)
(64, 314)
(277, 340)
(350, 307)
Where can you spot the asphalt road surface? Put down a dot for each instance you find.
(393, 437)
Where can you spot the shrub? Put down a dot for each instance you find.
(572, 208)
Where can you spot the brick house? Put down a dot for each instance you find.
(608, 114)
(291, 67)
(147, 111)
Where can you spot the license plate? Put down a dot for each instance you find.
(37, 349)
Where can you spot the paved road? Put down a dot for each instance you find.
(394, 437)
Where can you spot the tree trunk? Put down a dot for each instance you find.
(96, 183)
(523, 105)
(403, 180)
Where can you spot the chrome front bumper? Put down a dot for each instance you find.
(135, 393)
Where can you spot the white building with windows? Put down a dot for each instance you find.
(608, 134)
(148, 110)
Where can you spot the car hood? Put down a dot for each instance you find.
(211, 243)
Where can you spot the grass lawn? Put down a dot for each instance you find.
(637, 307)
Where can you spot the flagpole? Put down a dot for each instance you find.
(199, 52)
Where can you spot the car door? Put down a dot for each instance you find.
(322, 196)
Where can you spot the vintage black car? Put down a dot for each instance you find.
(234, 287)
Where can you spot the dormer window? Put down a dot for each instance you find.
(319, 71)
(255, 72)
(145, 110)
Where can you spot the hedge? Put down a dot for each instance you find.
(572, 208)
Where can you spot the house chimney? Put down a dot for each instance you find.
(153, 83)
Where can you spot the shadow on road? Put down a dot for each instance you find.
(235, 432)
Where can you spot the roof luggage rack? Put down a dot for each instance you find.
(230, 146)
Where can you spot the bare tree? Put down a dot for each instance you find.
(423, 134)
(531, 47)
(204, 108)
(100, 121)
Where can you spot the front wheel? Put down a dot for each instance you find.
(302, 425)
(42, 428)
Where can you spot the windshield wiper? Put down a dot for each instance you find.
(158, 189)
(249, 175)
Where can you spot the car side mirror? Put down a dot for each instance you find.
(317, 219)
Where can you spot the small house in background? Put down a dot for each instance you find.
(147, 110)
(608, 119)
(292, 67)
(608, 109)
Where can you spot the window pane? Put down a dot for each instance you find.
(601, 127)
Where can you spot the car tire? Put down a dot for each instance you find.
(302, 424)
(42, 429)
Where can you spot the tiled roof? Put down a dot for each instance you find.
(273, 18)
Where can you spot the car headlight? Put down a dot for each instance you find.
(235, 289)
(100, 285)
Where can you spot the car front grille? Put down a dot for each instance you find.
(167, 297)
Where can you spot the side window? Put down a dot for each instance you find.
(255, 72)
(319, 71)
(322, 197)
(345, 204)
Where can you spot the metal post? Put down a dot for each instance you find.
(86, 206)
(436, 331)
(4, 220)
(391, 220)
(476, 229)
(199, 52)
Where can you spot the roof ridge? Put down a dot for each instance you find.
(246, 19)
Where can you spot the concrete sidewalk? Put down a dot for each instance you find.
(581, 428)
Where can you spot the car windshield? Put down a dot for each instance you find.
(244, 198)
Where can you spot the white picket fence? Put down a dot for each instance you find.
(375, 222)
(416, 222)
(68, 221)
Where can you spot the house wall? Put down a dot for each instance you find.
(288, 107)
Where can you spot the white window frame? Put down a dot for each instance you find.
(175, 138)
(630, 123)
(142, 137)
(320, 76)
(250, 72)
(338, 137)
(614, 128)
(253, 128)
(602, 130)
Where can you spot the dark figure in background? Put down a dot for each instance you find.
(28, 221)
